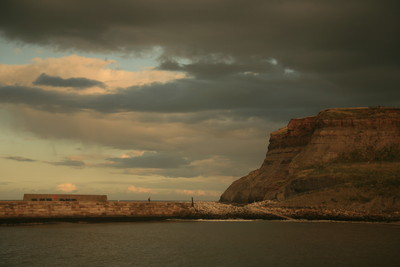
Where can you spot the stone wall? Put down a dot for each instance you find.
(38, 210)
(64, 197)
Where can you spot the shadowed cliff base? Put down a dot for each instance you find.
(344, 159)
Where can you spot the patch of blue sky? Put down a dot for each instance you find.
(17, 53)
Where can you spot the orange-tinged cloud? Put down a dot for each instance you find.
(67, 187)
(187, 192)
(74, 66)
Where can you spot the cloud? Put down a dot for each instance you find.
(70, 163)
(183, 145)
(207, 68)
(67, 162)
(307, 34)
(72, 66)
(274, 96)
(212, 165)
(20, 159)
(38, 98)
(134, 189)
(163, 160)
(259, 59)
(67, 187)
(260, 95)
(80, 83)
(187, 192)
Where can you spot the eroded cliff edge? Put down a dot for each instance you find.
(342, 158)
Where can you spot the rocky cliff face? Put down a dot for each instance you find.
(341, 157)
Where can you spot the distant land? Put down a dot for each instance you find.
(344, 159)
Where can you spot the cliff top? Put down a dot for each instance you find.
(360, 112)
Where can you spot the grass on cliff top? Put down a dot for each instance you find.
(370, 112)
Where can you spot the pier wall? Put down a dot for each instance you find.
(17, 212)
(64, 197)
(37, 211)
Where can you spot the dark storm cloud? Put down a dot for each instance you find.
(275, 95)
(80, 83)
(242, 94)
(351, 46)
(41, 99)
(310, 30)
(149, 160)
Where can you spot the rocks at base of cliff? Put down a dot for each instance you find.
(270, 211)
(340, 158)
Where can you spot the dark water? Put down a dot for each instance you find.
(255, 243)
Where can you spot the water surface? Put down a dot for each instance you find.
(207, 243)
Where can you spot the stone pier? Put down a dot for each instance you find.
(38, 211)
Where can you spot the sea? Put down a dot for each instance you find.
(201, 243)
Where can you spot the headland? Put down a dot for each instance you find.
(341, 161)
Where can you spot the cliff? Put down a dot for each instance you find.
(341, 158)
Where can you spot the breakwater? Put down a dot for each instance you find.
(32, 211)
(14, 212)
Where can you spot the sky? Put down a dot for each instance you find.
(176, 99)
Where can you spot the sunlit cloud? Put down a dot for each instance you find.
(67, 187)
(289, 71)
(71, 70)
(187, 192)
(273, 61)
(140, 190)
(130, 154)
